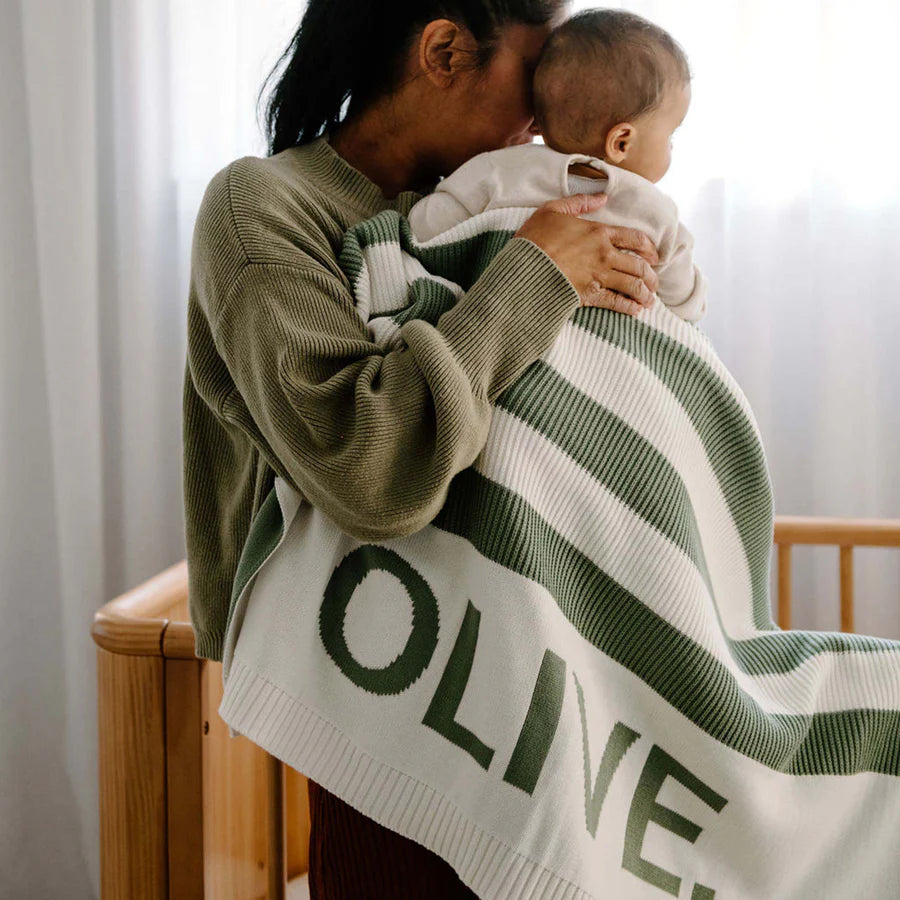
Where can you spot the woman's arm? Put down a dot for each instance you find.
(373, 437)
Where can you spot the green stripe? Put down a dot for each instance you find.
(782, 651)
(460, 261)
(506, 530)
(463, 261)
(634, 471)
(612, 452)
(729, 437)
(265, 534)
(428, 301)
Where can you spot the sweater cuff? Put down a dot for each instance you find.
(509, 317)
(209, 645)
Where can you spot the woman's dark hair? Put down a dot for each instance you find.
(353, 52)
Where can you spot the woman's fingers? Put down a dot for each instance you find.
(606, 299)
(630, 285)
(634, 240)
(576, 204)
(631, 264)
(592, 255)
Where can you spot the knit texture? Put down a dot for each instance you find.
(569, 685)
(283, 379)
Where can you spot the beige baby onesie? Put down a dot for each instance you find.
(529, 175)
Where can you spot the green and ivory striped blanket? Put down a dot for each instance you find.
(570, 685)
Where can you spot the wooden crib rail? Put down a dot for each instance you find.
(185, 810)
(843, 533)
(135, 623)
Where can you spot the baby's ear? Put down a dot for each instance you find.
(618, 142)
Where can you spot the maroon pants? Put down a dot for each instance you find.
(352, 857)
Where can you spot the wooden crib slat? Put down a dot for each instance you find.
(298, 822)
(234, 803)
(784, 586)
(132, 751)
(184, 779)
(847, 589)
(276, 849)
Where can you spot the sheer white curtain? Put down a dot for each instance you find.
(114, 116)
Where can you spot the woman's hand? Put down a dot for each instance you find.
(593, 256)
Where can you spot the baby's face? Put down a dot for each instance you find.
(650, 152)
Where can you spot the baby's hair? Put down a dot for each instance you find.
(600, 68)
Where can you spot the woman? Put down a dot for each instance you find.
(282, 377)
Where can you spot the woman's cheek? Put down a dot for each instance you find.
(510, 101)
(524, 119)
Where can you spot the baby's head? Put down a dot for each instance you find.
(612, 85)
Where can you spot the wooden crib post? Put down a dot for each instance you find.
(847, 588)
(784, 586)
(132, 751)
(151, 809)
(184, 778)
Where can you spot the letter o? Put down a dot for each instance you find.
(416, 655)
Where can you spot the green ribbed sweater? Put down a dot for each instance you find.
(282, 377)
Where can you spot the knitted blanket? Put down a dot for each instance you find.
(569, 685)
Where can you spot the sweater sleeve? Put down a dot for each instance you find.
(373, 437)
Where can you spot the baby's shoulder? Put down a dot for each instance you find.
(632, 191)
(521, 157)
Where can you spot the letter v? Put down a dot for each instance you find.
(621, 738)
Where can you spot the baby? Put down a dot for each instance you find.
(609, 90)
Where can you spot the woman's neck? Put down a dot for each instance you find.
(378, 145)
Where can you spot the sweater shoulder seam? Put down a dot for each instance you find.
(251, 259)
(320, 196)
(263, 264)
(234, 223)
(250, 264)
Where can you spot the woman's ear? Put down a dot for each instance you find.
(445, 50)
(619, 141)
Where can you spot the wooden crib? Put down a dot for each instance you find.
(186, 811)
